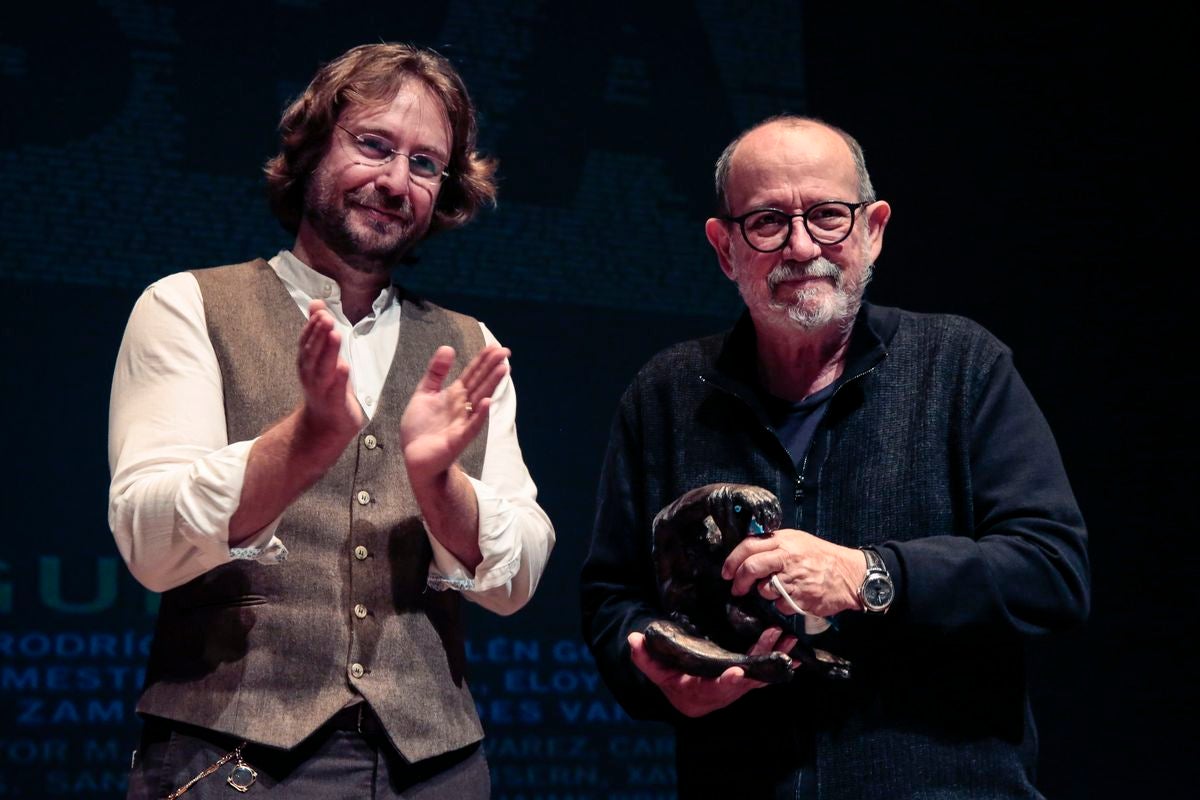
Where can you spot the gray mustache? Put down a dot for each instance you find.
(817, 268)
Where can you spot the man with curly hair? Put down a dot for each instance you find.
(313, 466)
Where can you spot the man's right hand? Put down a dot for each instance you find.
(295, 452)
(694, 696)
(331, 411)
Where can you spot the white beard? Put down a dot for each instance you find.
(814, 308)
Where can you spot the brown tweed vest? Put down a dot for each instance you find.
(269, 652)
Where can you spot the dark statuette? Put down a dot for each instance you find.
(707, 630)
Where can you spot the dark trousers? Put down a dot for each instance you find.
(349, 758)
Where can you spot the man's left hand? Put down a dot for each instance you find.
(822, 577)
(440, 421)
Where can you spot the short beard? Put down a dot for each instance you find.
(364, 253)
(839, 310)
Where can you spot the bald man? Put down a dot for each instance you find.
(926, 510)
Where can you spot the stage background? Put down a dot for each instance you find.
(1036, 180)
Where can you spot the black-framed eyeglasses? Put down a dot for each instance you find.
(768, 229)
(373, 150)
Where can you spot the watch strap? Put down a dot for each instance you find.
(874, 560)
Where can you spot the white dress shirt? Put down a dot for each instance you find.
(177, 479)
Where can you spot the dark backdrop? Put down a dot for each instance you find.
(1034, 163)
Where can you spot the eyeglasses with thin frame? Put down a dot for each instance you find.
(768, 229)
(372, 150)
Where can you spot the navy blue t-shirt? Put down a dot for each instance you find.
(795, 423)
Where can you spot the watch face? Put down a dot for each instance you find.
(877, 592)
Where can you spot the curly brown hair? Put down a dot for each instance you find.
(367, 75)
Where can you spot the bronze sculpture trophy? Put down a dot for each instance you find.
(707, 630)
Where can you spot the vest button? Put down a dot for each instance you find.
(356, 670)
(360, 611)
(360, 553)
(370, 442)
(363, 497)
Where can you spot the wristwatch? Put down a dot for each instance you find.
(877, 591)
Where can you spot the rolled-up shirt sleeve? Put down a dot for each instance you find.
(515, 535)
(176, 479)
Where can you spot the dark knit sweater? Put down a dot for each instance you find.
(932, 450)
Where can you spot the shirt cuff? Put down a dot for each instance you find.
(497, 542)
(270, 552)
(208, 501)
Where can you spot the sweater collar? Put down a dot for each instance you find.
(735, 367)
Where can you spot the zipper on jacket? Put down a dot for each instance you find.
(798, 491)
(798, 495)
